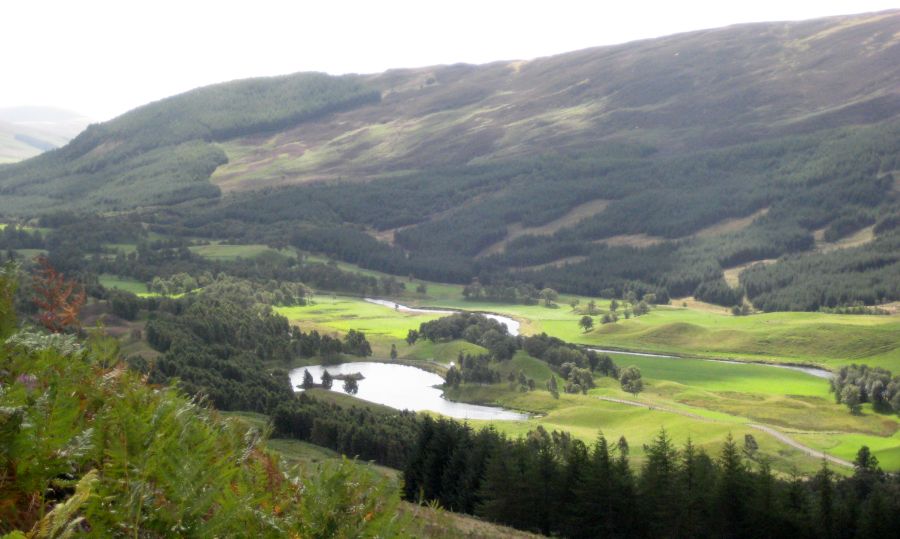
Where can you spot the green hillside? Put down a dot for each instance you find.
(650, 167)
(162, 153)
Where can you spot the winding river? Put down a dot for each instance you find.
(513, 327)
(411, 388)
(403, 387)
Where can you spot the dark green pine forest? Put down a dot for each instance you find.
(646, 167)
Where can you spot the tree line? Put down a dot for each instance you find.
(554, 484)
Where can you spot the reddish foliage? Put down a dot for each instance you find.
(57, 298)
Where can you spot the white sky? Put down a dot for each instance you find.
(102, 58)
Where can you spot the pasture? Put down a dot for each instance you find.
(693, 397)
(229, 252)
(827, 340)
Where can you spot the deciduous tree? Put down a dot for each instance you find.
(59, 300)
(586, 323)
(631, 380)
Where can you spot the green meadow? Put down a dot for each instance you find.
(694, 397)
(689, 396)
(586, 416)
(828, 340)
(128, 285)
(229, 252)
(341, 314)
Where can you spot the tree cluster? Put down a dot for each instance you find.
(553, 484)
(471, 369)
(856, 384)
(366, 433)
(474, 328)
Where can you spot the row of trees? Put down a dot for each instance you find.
(367, 433)
(556, 485)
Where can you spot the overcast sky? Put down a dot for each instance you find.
(102, 58)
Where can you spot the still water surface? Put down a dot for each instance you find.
(403, 387)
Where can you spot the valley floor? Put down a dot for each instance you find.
(791, 414)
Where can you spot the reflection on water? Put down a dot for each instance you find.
(403, 387)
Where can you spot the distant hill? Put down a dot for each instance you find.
(657, 166)
(28, 131)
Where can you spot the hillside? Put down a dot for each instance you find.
(28, 131)
(652, 167)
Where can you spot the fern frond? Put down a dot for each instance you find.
(62, 522)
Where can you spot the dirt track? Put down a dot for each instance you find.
(778, 435)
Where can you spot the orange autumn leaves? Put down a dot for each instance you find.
(58, 298)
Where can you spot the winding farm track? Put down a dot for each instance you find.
(778, 435)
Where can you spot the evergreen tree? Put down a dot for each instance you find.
(656, 487)
(501, 494)
(393, 351)
(732, 491)
(825, 511)
(593, 513)
(696, 482)
(351, 387)
(308, 382)
(326, 379)
(750, 446)
(574, 477)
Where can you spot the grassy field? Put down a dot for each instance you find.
(585, 416)
(689, 397)
(827, 340)
(229, 252)
(128, 285)
(341, 314)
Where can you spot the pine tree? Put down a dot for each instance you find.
(593, 512)
(732, 490)
(326, 379)
(656, 487)
(574, 493)
(696, 482)
(308, 382)
(824, 487)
